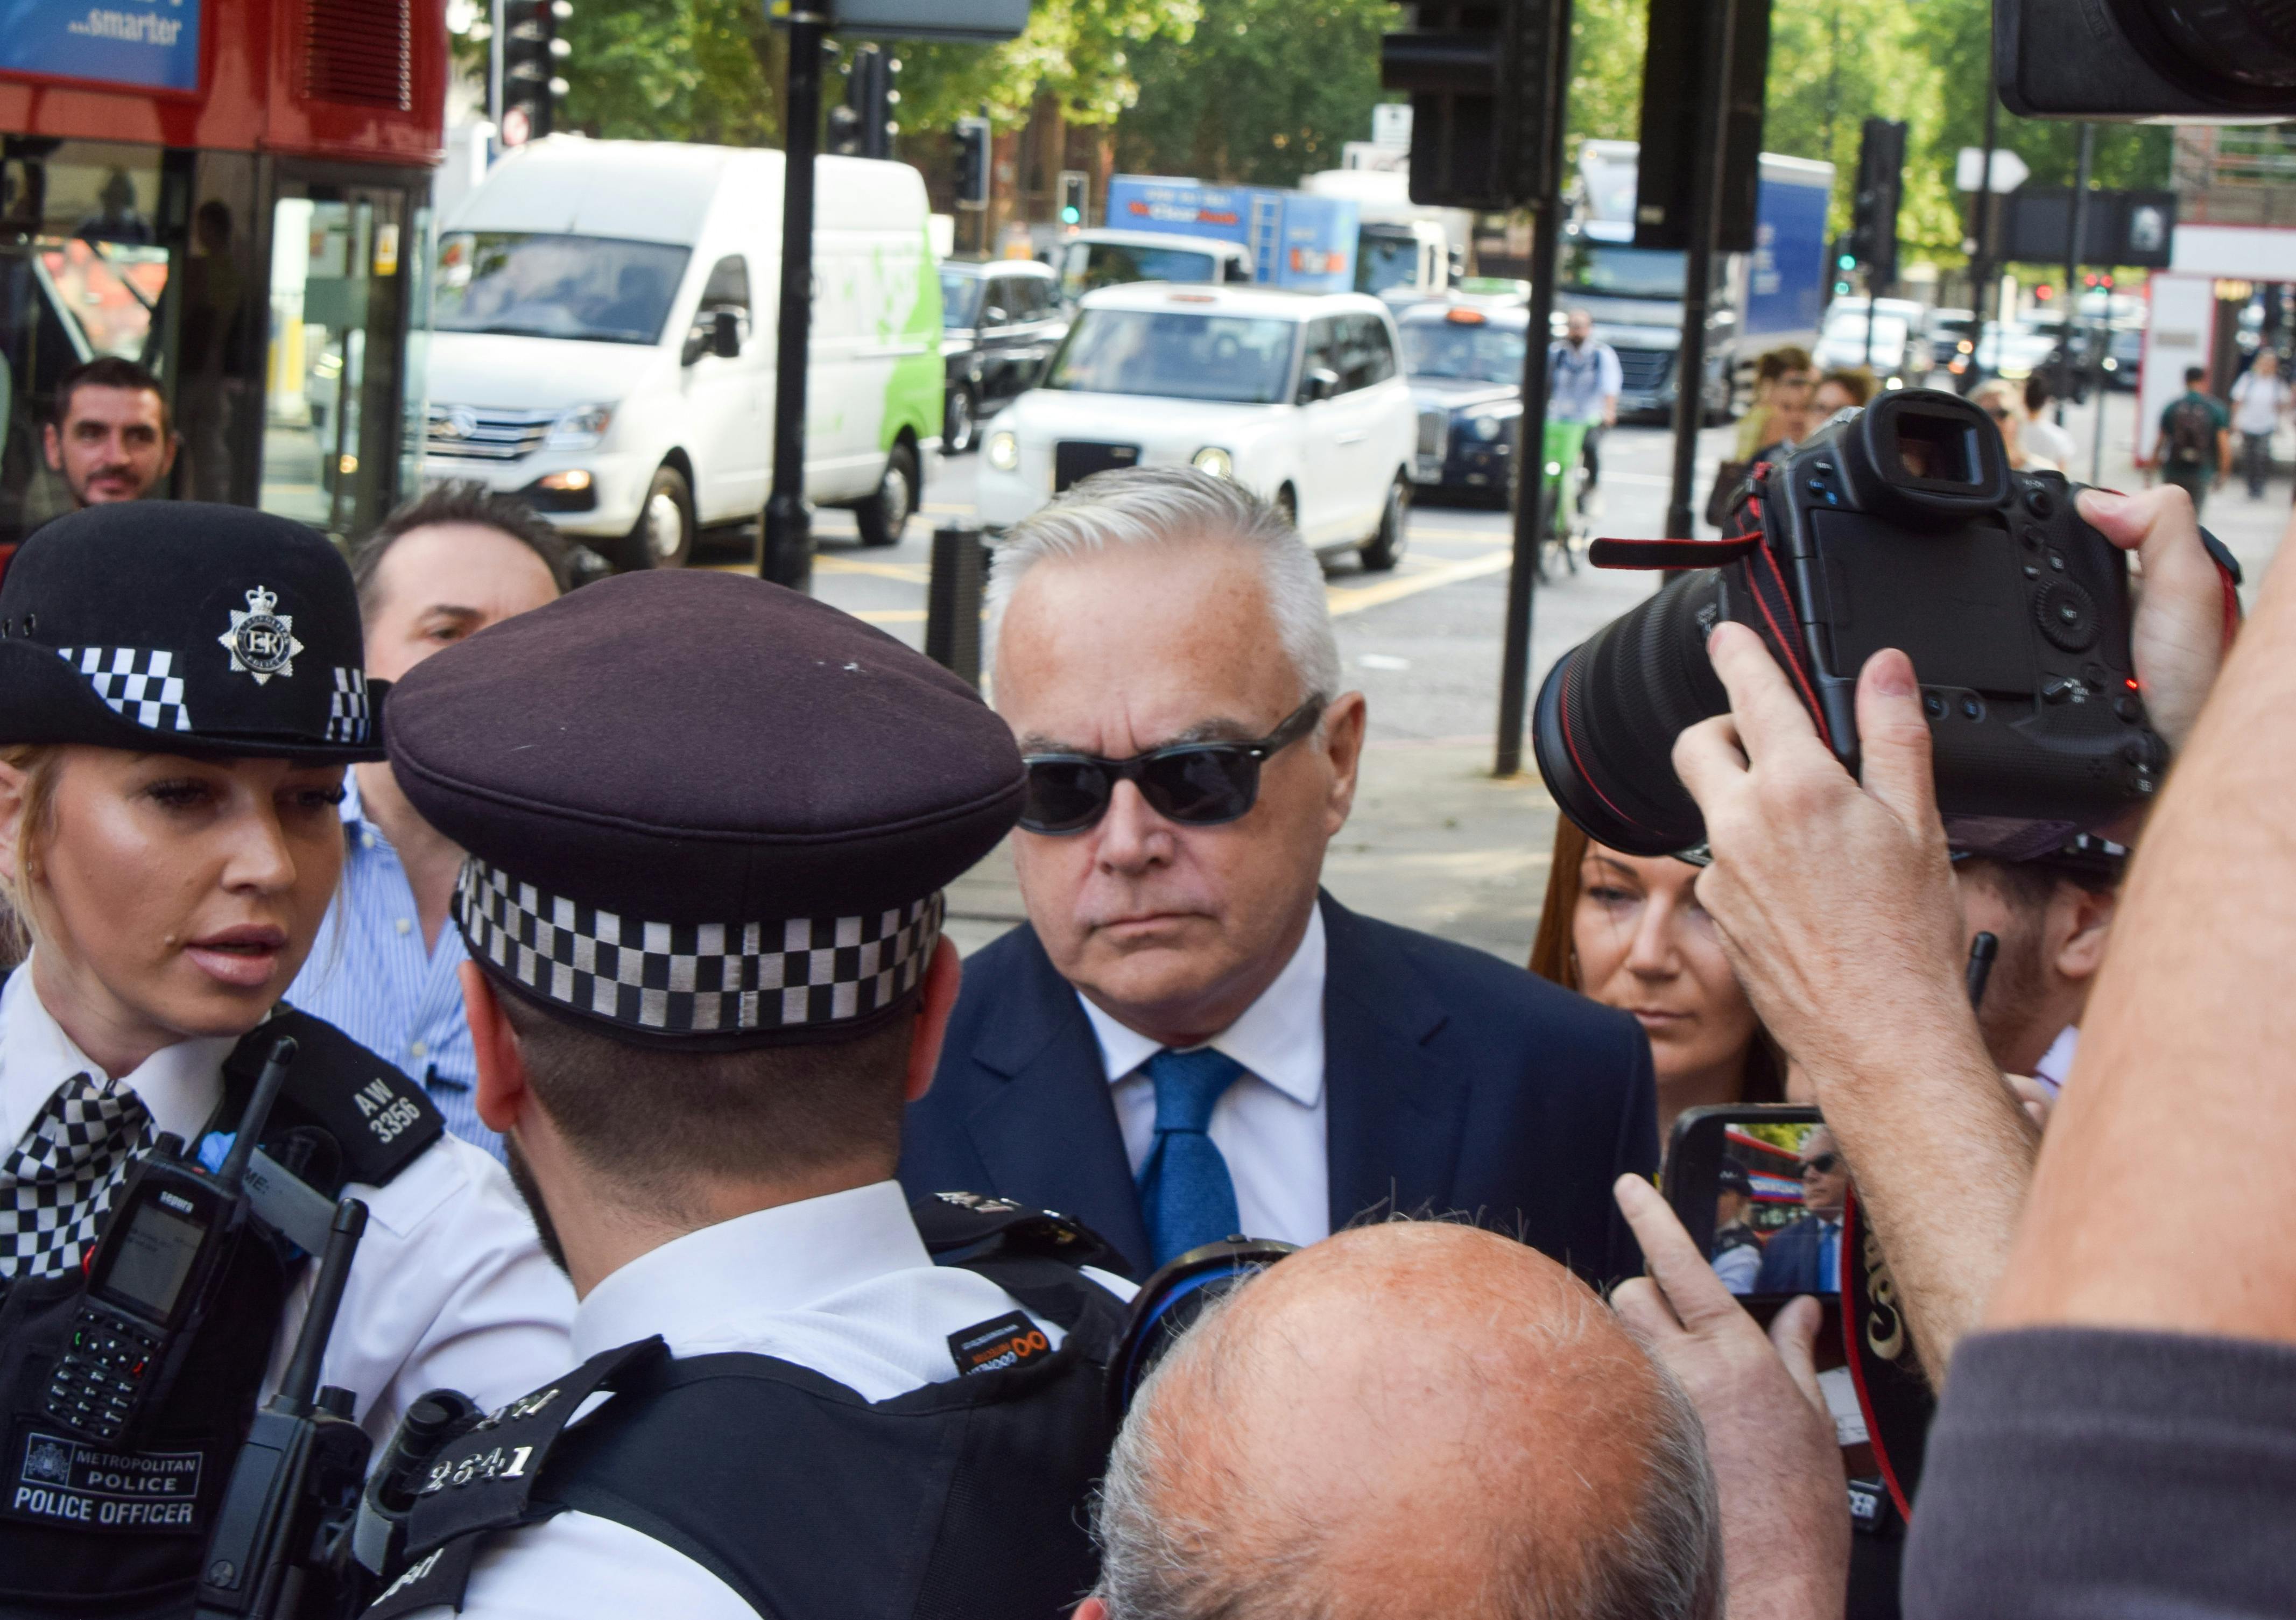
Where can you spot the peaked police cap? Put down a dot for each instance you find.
(185, 629)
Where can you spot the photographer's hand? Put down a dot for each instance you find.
(1777, 1464)
(2178, 634)
(1836, 906)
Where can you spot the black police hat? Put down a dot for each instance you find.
(1730, 1177)
(185, 629)
(703, 811)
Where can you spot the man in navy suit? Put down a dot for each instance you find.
(1806, 1257)
(1188, 1039)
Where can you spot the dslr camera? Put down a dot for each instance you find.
(1898, 526)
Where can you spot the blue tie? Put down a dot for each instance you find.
(1186, 1197)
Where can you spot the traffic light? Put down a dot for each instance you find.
(1076, 197)
(1874, 218)
(972, 163)
(532, 53)
(863, 126)
(1481, 78)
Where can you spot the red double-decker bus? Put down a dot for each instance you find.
(234, 193)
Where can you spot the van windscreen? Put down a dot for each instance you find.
(592, 288)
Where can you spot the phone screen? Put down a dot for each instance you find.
(153, 1258)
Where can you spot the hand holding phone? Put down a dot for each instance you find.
(1777, 1467)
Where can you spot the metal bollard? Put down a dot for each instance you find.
(953, 598)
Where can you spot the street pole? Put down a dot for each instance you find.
(496, 22)
(785, 557)
(2076, 224)
(1983, 266)
(1530, 435)
(1698, 276)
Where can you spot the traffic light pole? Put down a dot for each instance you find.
(1531, 437)
(1698, 274)
(785, 556)
(1984, 264)
(2076, 239)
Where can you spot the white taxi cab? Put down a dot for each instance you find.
(1295, 396)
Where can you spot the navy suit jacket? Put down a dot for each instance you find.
(1455, 1084)
(1790, 1261)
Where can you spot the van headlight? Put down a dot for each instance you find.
(580, 428)
(1214, 460)
(1003, 450)
(1488, 427)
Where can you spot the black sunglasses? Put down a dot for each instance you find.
(1822, 1164)
(1197, 784)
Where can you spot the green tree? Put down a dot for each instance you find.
(1264, 92)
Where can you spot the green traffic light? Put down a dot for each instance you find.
(1840, 289)
(1847, 262)
(1069, 216)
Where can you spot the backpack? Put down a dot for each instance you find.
(2191, 429)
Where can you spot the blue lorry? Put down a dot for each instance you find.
(1774, 295)
(1288, 239)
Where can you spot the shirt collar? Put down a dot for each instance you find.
(770, 1262)
(181, 1084)
(1279, 1038)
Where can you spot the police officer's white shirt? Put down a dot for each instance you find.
(842, 1284)
(450, 1288)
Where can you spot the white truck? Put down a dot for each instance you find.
(602, 340)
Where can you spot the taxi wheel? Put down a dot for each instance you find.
(962, 429)
(663, 535)
(1384, 549)
(884, 515)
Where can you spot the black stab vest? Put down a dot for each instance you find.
(120, 1534)
(967, 1500)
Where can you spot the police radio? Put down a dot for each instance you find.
(152, 1276)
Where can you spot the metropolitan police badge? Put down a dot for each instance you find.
(262, 644)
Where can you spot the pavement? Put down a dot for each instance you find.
(1436, 841)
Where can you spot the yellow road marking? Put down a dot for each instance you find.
(914, 573)
(1356, 599)
(891, 616)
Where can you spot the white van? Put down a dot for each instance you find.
(602, 340)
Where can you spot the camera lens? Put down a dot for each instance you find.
(1610, 711)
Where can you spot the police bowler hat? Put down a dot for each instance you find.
(180, 627)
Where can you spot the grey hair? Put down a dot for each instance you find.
(1162, 1558)
(1173, 505)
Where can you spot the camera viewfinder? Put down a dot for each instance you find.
(1939, 449)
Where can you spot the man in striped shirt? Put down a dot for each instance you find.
(441, 569)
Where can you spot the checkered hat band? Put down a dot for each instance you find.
(139, 684)
(349, 717)
(695, 978)
(57, 1183)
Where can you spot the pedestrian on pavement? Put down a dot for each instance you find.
(2041, 436)
(386, 968)
(167, 833)
(2261, 398)
(1848, 389)
(1187, 1039)
(1583, 384)
(2196, 442)
(1780, 374)
(2000, 400)
(706, 972)
(1628, 931)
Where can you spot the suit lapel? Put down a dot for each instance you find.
(1393, 1120)
(1047, 1129)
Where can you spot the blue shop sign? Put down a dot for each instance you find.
(151, 45)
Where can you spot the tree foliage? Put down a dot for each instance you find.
(1264, 92)
(713, 70)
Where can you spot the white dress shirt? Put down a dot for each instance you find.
(842, 1284)
(1269, 1125)
(450, 1288)
(2057, 1062)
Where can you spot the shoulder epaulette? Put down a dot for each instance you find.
(964, 1224)
(380, 1120)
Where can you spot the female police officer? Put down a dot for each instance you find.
(180, 690)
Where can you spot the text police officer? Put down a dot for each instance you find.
(180, 690)
(708, 822)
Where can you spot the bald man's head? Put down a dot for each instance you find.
(1411, 1420)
